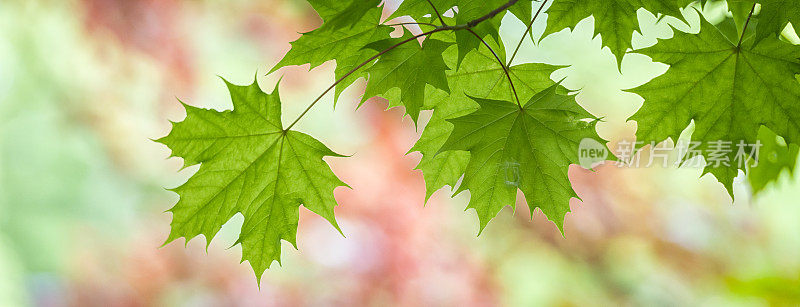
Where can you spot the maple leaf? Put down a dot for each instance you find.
(727, 90)
(775, 157)
(482, 77)
(408, 67)
(348, 27)
(249, 165)
(614, 20)
(526, 147)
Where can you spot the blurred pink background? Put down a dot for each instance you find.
(85, 85)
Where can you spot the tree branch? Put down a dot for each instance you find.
(491, 14)
(467, 26)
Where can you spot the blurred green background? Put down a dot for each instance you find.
(85, 85)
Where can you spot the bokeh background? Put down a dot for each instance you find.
(85, 85)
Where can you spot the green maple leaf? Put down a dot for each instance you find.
(409, 67)
(614, 20)
(348, 27)
(728, 91)
(526, 148)
(249, 165)
(479, 76)
(774, 158)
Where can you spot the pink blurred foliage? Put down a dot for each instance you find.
(416, 260)
(148, 26)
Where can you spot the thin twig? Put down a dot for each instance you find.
(503, 65)
(744, 30)
(522, 39)
(437, 13)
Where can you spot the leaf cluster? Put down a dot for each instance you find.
(496, 127)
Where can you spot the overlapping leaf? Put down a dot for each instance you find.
(614, 20)
(773, 16)
(417, 9)
(527, 148)
(728, 91)
(409, 67)
(249, 165)
(470, 10)
(774, 158)
(480, 76)
(466, 12)
(348, 27)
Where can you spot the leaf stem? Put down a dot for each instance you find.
(467, 26)
(503, 65)
(746, 23)
(522, 39)
(437, 13)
